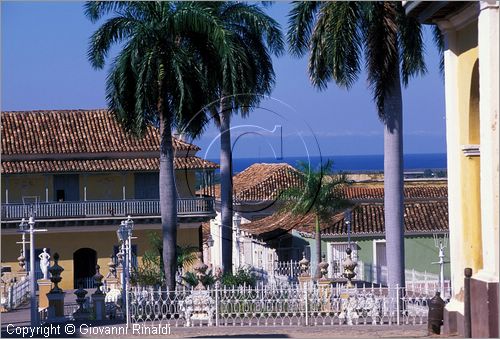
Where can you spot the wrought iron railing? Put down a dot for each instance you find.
(108, 208)
(292, 305)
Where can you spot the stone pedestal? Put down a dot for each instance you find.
(44, 286)
(304, 281)
(348, 305)
(325, 293)
(112, 283)
(56, 306)
(99, 305)
(198, 307)
(21, 275)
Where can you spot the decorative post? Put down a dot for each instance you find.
(119, 268)
(111, 280)
(323, 269)
(56, 294)
(21, 260)
(324, 285)
(304, 266)
(81, 313)
(467, 308)
(199, 305)
(99, 296)
(349, 266)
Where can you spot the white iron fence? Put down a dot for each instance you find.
(422, 282)
(266, 305)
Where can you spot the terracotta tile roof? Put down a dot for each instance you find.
(100, 165)
(367, 219)
(74, 131)
(411, 191)
(261, 182)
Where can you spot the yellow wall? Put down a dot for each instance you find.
(468, 110)
(25, 185)
(101, 241)
(185, 182)
(102, 186)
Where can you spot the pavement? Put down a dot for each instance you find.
(119, 330)
(15, 322)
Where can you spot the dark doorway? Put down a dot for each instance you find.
(146, 186)
(66, 187)
(84, 262)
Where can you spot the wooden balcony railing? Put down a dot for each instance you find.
(117, 208)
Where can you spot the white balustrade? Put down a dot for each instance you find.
(108, 208)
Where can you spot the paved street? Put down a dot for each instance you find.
(20, 318)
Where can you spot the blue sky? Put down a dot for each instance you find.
(44, 66)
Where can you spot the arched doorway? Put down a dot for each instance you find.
(84, 262)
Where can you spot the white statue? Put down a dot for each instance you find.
(44, 263)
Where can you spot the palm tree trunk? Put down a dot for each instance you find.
(168, 199)
(317, 239)
(393, 184)
(226, 186)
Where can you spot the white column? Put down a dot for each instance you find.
(123, 187)
(7, 181)
(85, 187)
(488, 109)
(46, 188)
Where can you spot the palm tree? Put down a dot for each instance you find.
(336, 34)
(321, 194)
(241, 79)
(158, 78)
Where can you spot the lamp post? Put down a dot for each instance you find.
(348, 216)
(441, 244)
(30, 228)
(124, 233)
(23, 226)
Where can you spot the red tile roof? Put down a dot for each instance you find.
(367, 219)
(100, 165)
(411, 191)
(261, 182)
(74, 131)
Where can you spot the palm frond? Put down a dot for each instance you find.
(300, 25)
(439, 41)
(411, 45)
(381, 50)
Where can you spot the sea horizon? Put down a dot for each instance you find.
(350, 163)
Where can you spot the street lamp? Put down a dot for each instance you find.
(124, 233)
(210, 241)
(23, 227)
(29, 227)
(348, 216)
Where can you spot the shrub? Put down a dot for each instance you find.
(240, 278)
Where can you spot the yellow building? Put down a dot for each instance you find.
(82, 174)
(471, 56)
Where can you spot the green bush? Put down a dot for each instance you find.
(191, 279)
(240, 278)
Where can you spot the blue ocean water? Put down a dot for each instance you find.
(352, 163)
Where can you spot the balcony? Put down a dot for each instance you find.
(68, 210)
